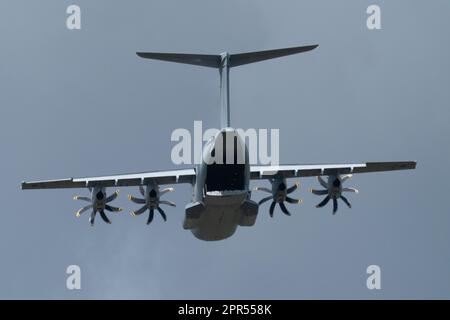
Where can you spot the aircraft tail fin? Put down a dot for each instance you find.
(223, 63)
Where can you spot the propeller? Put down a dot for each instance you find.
(333, 191)
(279, 194)
(151, 201)
(98, 203)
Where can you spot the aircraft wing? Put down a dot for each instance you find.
(122, 180)
(312, 170)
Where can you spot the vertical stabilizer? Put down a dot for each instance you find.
(224, 70)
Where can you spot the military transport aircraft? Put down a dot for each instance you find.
(221, 196)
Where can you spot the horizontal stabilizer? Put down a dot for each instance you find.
(250, 57)
(215, 61)
(205, 60)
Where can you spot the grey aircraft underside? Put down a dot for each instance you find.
(221, 195)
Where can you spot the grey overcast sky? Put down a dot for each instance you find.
(80, 103)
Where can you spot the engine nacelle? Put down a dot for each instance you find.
(279, 189)
(334, 186)
(152, 195)
(98, 196)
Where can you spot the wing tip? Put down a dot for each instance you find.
(400, 165)
(409, 164)
(26, 185)
(306, 47)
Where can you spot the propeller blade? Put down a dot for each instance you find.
(141, 190)
(82, 198)
(161, 211)
(318, 192)
(272, 207)
(169, 203)
(92, 218)
(335, 205)
(79, 212)
(136, 200)
(350, 190)
(322, 182)
(294, 201)
(264, 200)
(140, 211)
(324, 202)
(150, 216)
(293, 188)
(166, 190)
(112, 197)
(346, 201)
(346, 177)
(112, 209)
(104, 217)
(284, 209)
(263, 189)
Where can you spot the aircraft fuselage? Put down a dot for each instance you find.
(221, 198)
